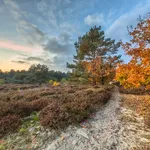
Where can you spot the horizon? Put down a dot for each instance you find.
(43, 31)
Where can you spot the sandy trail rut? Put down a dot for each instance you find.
(106, 130)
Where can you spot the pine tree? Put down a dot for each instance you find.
(88, 48)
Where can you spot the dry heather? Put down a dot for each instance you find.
(138, 103)
(135, 91)
(7, 87)
(58, 106)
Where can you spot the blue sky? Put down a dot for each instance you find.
(44, 31)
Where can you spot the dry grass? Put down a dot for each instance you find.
(138, 103)
(59, 106)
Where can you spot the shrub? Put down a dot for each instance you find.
(53, 116)
(63, 80)
(72, 108)
(56, 83)
(9, 123)
(51, 81)
(4, 108)
(59, 106)
(1, 81)
(136, 91)
(23, 108)
(38, 105)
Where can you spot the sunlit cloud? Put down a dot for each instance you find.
(16, 47)
(6, 66)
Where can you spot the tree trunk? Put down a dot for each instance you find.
(102, 81)
(94, 82)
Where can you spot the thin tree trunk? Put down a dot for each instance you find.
(102, 81)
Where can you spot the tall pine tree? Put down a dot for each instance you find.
(90, 47)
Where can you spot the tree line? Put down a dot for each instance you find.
(97, 62)
(35, 74)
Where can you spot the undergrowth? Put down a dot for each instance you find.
(140, 104)
(58, 106)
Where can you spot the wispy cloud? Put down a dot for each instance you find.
(19, 62)
(31, 34)
(94, 19)
(118, 29)
(14, 46)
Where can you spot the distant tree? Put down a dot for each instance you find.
(91, 46)
(1, 74)
(39, 73)
(11, 73)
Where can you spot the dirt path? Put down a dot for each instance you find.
(112, 128)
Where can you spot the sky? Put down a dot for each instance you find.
(44, 31)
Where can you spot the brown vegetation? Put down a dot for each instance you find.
(9, 123)
(73, 108)
(140, 104)
(59, 106)
(135, 91)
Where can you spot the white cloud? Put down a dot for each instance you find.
(14, 9)
(53, 10)
(118, 30)
(61, 44)
(95, 19)
(31, 33)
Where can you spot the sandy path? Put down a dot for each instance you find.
(112, 128)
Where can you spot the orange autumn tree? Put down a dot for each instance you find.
(137, 72)
(99, 70)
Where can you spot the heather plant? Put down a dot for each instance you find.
(55, 107)
(9, 123)
(72, 108)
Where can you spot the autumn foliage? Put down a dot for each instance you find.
(99, 70)
(137, 72)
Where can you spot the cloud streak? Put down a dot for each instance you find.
(19, 62)
(14, 46)
(94, 19)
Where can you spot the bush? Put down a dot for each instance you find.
(1, 81)
(72, 108)
(53, 116)
(56, 83)
(9, 123)
(63, 80)
(22, 108)
(51, 81)
(135, 91)
(38, 105)
(59, 106)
